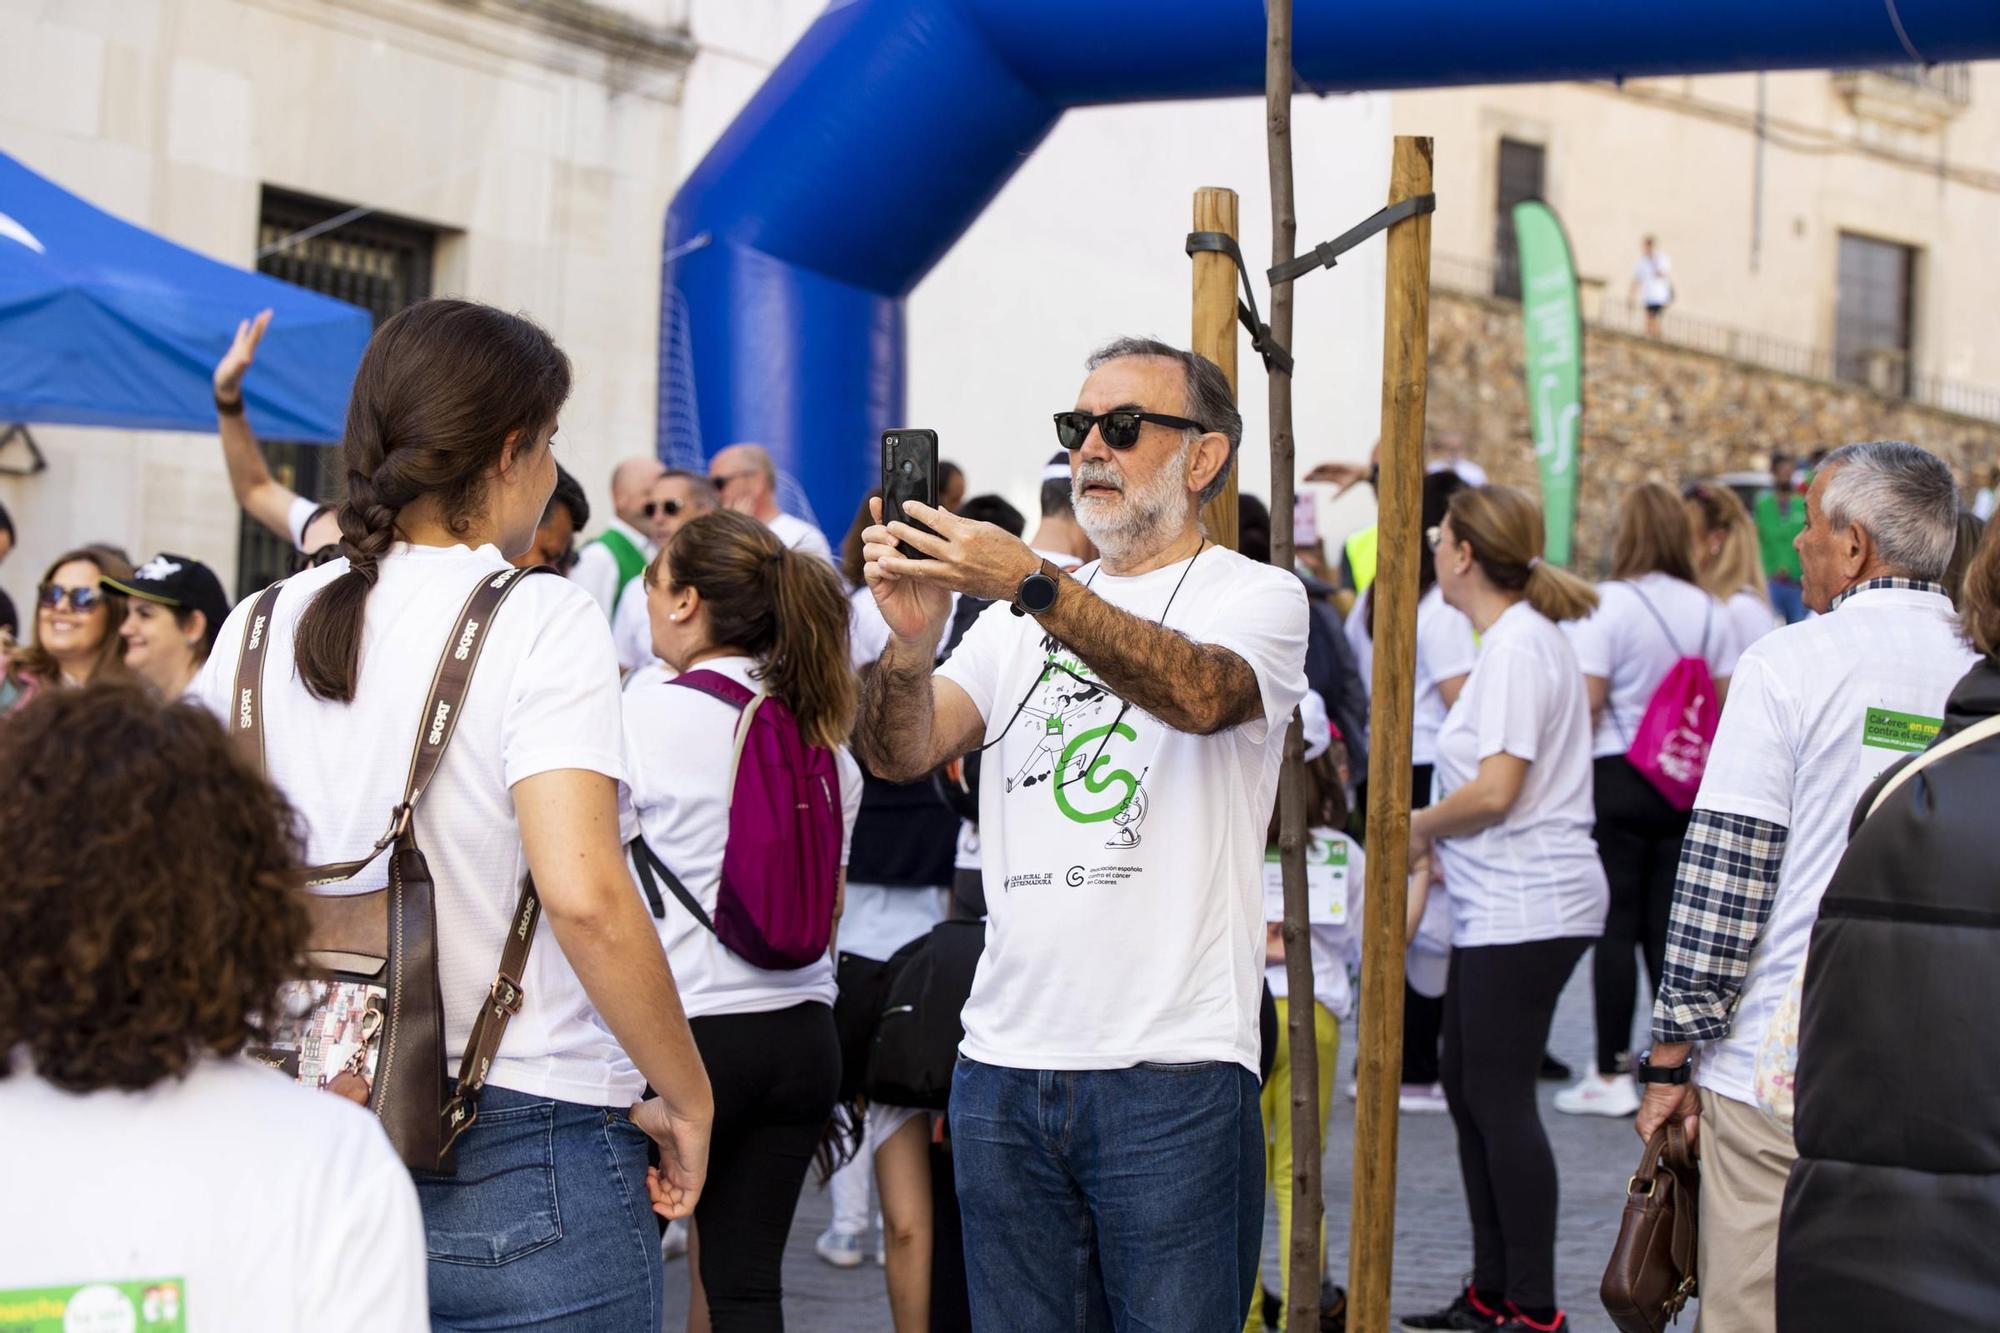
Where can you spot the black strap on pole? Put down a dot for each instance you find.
(1321, 256)
(1327, 252)
(1221, 242)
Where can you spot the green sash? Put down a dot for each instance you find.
(631, 561)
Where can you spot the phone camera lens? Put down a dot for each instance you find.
(895, 440)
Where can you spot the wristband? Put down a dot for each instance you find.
(1652, 1073)
(224, 407)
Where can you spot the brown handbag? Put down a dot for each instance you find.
(1652, 1270)
(371, 1018)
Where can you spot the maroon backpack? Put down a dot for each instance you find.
(781, 864)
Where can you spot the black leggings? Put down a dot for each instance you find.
(1423, 1017)
(775, 1077)
(1639, 837)
(1498, 1003)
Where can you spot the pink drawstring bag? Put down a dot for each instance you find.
(1671, 747)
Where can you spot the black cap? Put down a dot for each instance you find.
(179, 581)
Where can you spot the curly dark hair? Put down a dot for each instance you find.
(153, 903)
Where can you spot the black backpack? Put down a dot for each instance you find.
(915, 1046)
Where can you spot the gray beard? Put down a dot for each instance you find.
(1134, 522)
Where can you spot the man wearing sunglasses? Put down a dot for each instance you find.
(1108, 1080)
(609, 562)
(746, 480)
(675, 498)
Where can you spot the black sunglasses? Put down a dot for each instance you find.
(1119, 428)
(50, 597)
(668, 507)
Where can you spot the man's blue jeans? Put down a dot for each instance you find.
(1788, 599)
(1128, 1199)
(546, 1225)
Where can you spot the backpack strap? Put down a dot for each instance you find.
(1972, 735)
(734, 693)
(249, 726)
(646, 861)
(1661, 621)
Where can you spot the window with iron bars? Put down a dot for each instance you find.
(380, 264)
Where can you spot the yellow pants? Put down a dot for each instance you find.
(1277, 1104)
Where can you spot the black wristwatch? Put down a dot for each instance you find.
(1037, 592)
(1652, 1073)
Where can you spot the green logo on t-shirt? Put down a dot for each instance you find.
(1905, 733)
(1095, 780)
(154, 1306)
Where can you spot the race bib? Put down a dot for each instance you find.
(1326, 883)
(152, 1306)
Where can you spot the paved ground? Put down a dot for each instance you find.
(1433, 1243)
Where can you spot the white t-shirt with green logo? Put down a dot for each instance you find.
(1815, 712)
(232, 1199)
(1123, 860)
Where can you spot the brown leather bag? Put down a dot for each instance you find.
(377, 951)
(1652, 1270)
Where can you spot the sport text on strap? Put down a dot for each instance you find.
(439, 720)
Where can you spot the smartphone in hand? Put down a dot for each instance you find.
(909, 472)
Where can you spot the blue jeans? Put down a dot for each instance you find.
(1788, 599)
(546, 1225)
(1111, 1198)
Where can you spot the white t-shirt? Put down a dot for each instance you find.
(596, 570)
(1446, 647)
(544, 697)
(1336, 870)
(1654, 273)
(632, 626)
(1123, 859)
(1535, 874)
(1816, 711)
(1468, 471)
(1752, 618)
(800, 535)
(297, 517)
(679, 747)
(235, 1197)
(1622, 643)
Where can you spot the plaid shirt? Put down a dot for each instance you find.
(1727, 883)
(1723, 895)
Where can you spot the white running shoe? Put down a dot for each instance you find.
(1594, 1094)
(674, 1242)
(842, 1249)
(1422, 1099)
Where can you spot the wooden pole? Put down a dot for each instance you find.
(1302, 1247)
(1215, 332)
(1405, 349)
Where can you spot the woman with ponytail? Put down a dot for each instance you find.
(726, 597)
(449, 464)
(1509, 836)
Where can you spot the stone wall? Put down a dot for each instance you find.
(1655, 412)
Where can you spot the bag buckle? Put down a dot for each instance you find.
(460, 1114)
(1632, 1184)
(506, 995)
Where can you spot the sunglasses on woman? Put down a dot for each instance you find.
(1118, 428)
(50, 597)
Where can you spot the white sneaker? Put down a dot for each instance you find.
(842, 1249)
(1594, 1094)
(1422, 1099)
(674, 1243)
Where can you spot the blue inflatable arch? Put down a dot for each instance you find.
(892, 123)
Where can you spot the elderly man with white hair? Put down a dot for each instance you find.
(1816, 711)
(616, 556)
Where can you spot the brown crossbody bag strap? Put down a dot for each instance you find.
(443, 706)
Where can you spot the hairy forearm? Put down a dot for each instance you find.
(616, 954)
(898, 712)
(1192, 687)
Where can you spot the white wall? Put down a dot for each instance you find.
(1086, 243)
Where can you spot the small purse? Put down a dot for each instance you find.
(369, 1022)
(1651, 1275)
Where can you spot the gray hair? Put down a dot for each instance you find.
(1902, 496)
(1209, 399)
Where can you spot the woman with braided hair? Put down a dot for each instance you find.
(449, 464)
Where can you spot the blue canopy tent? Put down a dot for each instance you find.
(105, 324)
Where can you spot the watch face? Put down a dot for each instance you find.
(1038, 592)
